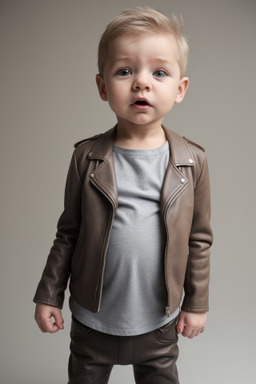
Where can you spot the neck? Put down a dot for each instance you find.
(140, 137)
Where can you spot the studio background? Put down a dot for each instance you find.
(49, 101)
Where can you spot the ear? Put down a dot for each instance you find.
(101, 87)
(183, 86)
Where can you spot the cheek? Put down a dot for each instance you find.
(170, 97)
(115, 95)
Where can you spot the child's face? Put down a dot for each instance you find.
(141, 79)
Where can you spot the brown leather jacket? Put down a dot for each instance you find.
(91, 201)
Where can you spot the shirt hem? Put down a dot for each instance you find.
(127, 332)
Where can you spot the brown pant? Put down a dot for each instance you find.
(93, 355)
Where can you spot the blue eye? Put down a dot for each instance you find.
(124, 72)
(159, 73)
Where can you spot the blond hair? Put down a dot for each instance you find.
(141, 20)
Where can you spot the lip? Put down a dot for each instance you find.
(141, 107)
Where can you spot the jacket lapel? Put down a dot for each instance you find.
(103, 176)
(175, 182)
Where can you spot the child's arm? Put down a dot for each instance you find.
(196, 284)
(51, 288)
(192, 320)
(191, 324)
(43, 316)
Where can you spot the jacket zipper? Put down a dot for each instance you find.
(167, 308)
(106, 242)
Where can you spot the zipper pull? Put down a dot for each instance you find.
(167, 311)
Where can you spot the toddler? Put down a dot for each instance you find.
(134, 237)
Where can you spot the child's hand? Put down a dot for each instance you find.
(191, 324)
(43, 316)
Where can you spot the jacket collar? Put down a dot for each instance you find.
(102, 149)
(180, 153)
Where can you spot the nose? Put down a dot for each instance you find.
(142, 82)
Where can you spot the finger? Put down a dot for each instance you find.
(59, 322)
(198, 332)
(194, 333)
(40, 323)
(41, 327)
(46, 325)
(189, 332)
(180, 326)
(49, 326)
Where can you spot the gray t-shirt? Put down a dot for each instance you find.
(134, 291)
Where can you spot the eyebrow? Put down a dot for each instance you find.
(163, 61)
(160, 59)
(156, 60)
(120, 59)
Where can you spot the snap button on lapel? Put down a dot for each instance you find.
(182, 180)
(191, 161)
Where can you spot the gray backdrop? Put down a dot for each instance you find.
(49, 101)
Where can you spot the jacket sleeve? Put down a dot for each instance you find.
(56, 273)
(196, 285)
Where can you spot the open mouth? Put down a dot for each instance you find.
(141, 102)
